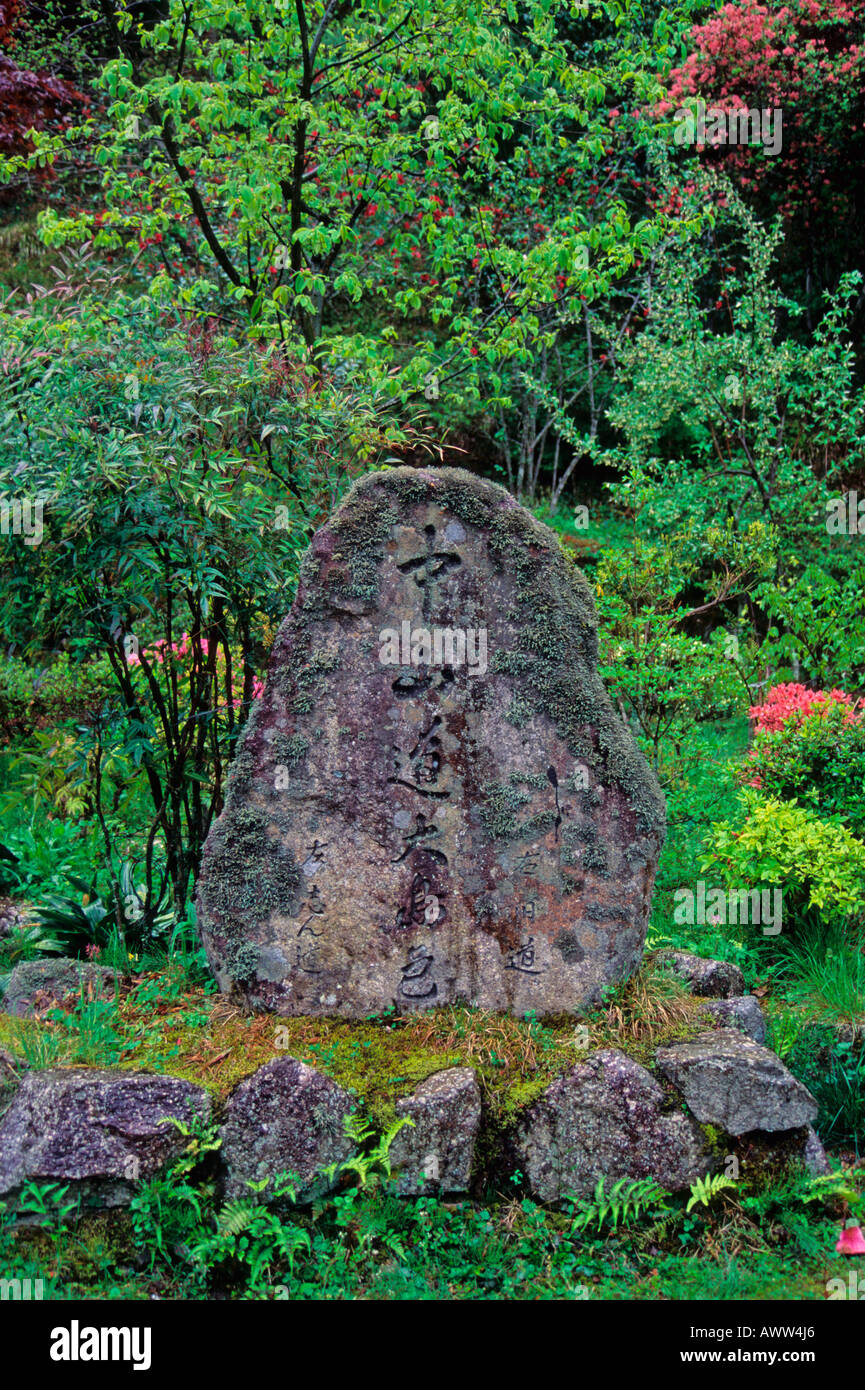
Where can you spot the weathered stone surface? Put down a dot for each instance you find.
(711, 978)
(743, 1013)
(285, 1118)
(11, 1071)
(98, 1131)
(441, 829)
(814, 1155)
(729, 1080)
(13, 915)
(35, 986)
(436, 1154)
(606, 1118)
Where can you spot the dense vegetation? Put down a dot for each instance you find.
(249, 252)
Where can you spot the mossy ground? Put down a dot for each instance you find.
(374, 1245)
(206, 1039)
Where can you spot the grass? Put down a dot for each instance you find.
(651, 1005)
(825, 970)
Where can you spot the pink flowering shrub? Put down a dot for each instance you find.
(178, 651)
(806, 58)
(809, 746)
(794, 702)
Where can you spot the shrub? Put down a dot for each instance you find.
(663, 676)
(36, 696)
(29, 100)
(181, 476)
(725, 414)
(789, 704)
(819, 865)
(810, 747)
(805, 58)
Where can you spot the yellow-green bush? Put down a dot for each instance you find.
(817, 863)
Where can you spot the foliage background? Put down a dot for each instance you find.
(249, 252)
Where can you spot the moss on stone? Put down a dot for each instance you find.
(361, 526)
(236, 896)
(320, 663)
(289, 748)
(241, 961)
(499, 810)
(518, 712)
(595, 858)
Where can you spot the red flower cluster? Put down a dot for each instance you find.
(788, 702)
(806, 58)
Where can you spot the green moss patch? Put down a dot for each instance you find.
(205, 1039)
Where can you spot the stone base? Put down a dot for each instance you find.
(608, 1117)
(562, 1117)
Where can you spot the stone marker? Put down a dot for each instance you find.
(434, 801)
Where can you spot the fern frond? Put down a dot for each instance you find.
(627, 1200)
(236, 1217)
(705, 1190)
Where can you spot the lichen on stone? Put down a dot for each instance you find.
(242, 886)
